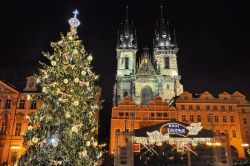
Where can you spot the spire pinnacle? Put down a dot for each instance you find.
(126, 12)
(161, 12)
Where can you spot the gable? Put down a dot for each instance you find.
(7, 89)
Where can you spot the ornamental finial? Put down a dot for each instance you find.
(74, 22)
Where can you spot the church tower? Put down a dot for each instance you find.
(165, 54)
(126, 49)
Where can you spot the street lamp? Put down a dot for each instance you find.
(245, 145)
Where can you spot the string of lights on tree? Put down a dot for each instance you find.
(63, 131)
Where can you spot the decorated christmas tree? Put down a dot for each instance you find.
(63, 131)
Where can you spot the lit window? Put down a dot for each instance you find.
(215, 107)
(21, 104)
(224, 118)
(223, 107)
(7, 104)
(191, 118)
(234, 133)
(245, 121)
(158, 114)
(33, 104)
(208, 118)
(165, 114)
(3, 127)
(183, 118)
(18, 129)
(216, 119)
(232, 119)
(198, 118)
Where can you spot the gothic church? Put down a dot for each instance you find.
(146, 76)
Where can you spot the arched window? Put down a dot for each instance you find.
(126, 62)
(166, 62)
(146, 95)
(125, 93)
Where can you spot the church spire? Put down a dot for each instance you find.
(127, 37)
(162, 34)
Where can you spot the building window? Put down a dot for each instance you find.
(132, 114)
(216, 119)
(232, 119)
(183, 118)
(198, 107)
(126, 113)
(167, 87)
(21, 104)
(121, 114)
(207, 107)
(33, 104)
(117, 130)
(147, 95)
(185, 97)
(7, 104)
(215, 107)
(208, 118)
(13, 157)
(191, 118)
(3, 127)
(198, 118)
(234, 133)
(126, 130)
(243, 111)
(158, 114)
(153, 114)
(190, 107)
(230, 108)
(166, 60)
(165, 114)
(223, 107)
(18, 128)
(245, 121)
(224, 119)
(126, 62)
(183, 107)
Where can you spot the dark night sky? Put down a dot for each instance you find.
(213, 37)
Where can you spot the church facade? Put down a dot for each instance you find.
(142, 77)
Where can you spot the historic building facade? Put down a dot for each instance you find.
(141, 79)
(145, 76)
(15, 107)
(223, 114)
